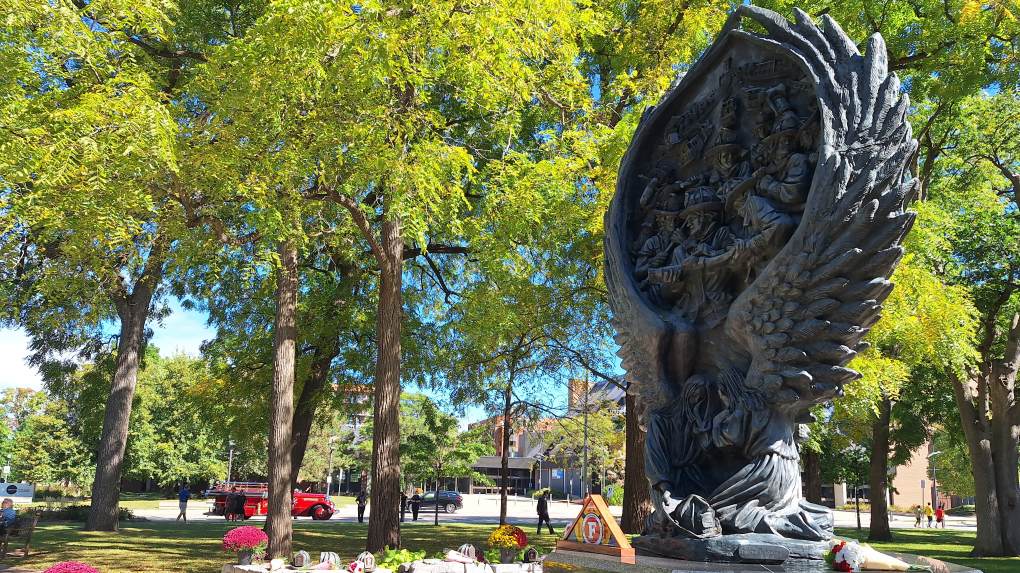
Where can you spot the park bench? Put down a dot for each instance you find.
(22, 530)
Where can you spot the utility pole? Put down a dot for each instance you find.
(230, 464)
(934, 478)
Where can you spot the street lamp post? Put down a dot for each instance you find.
(230, 463)
(329, 472)
(584, 463)
(7, 468)
(934, 477)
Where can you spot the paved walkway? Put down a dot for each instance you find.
(479, 508)
(484, 508)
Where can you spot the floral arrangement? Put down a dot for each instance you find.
(846, 556)
(70, 567)
(245, 538)
(851, 557)
(508, 537)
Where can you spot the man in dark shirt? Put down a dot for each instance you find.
(7, 515)
(230, 505)
(543, 513)
(362, 500)
(415, 502)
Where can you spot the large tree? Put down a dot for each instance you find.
(95, 121)
(981, 186)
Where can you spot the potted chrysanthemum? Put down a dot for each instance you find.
(70, 567)
(509, 539)
(248, 542)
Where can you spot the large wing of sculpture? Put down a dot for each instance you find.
(643, 337)
(803, 318)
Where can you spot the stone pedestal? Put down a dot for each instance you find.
(577, 562)
(740, 548)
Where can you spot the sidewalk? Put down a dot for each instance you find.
(478, 508)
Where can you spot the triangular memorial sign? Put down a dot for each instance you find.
(595, 530)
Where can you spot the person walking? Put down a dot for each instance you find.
(940, 517)
(183, 496)
(362, 500)
(543, 513)
(403, 506)
(415, 502)
(929, 513)
(917, 515)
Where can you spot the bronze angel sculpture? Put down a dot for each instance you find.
(756, 221)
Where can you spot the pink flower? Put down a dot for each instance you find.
(70, 567)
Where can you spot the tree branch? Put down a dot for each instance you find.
(437, 249)
(163, 52)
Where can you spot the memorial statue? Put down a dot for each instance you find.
(745, 264)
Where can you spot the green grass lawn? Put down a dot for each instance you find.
(195, 548)
(945, 544)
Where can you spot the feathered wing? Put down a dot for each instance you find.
(644, 338)
(803, 318)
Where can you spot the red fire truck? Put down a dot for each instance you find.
(314, 505)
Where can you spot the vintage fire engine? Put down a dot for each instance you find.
(314, 505)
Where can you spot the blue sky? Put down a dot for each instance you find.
(182, 331)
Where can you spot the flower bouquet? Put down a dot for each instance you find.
(509, 539)
(249, 542)
(851, 557)
(70, 567)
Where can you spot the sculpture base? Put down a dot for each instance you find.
(576, 562)
(739, 548)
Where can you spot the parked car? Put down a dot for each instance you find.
(314, 505)
(449, 501)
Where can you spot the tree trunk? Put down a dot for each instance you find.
(281, 409)
(504, 462)
(857, 499)
(637, 499)
(304, 411)
(988, 542)
(133, 312)
(1004, 440)
(880, 473)
(812, 475)
(106, 487)
(384, 523)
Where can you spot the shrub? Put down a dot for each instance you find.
(71, 513)
(70, 567)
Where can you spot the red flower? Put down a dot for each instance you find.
(245, 537)
(70, 567)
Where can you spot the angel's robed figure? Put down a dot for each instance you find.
(756, 221)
